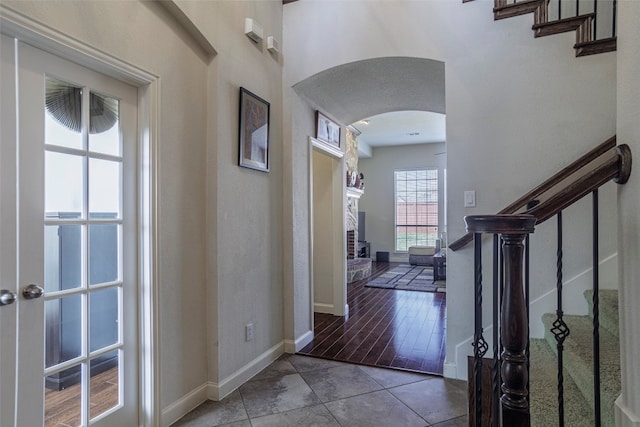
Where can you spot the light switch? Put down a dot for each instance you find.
(470, 199)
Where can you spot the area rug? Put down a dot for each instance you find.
(409, 278)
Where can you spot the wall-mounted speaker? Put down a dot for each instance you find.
(253, 30)
(272, 45)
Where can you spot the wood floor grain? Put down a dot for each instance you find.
(386, 328)
(62, 408)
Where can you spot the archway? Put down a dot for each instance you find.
(361, 89)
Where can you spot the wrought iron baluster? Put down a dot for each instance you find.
(560, 329)
(480, 346)
(495, 381)
(526, 298)
(595, 20)
(559, 10)
(596, 314)
(614, 14)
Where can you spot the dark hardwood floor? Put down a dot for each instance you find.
(386, 328)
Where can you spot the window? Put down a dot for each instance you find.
(416, 205)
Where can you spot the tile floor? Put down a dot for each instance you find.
(303, 391)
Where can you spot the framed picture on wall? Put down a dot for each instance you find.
(254, 131)
(327, 130)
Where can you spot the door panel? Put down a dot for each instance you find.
(76, 202)
(7, 229)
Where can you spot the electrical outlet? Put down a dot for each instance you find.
(248, 332)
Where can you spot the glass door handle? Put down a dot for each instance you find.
(7, 297)
(32, 292)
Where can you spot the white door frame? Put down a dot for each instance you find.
(27, 30)
(339, 306)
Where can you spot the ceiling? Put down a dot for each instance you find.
(400, 128)
(402, 97)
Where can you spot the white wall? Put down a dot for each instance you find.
(518, 108)
(628, 129)
(245, 223)
(378, 199)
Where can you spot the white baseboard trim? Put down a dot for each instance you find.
(184, 405)
(291, 346)
(319, 307)
(218, 391)
(624, 415)
(449, 370)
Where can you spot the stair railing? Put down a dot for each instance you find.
(507, 401)
(522, 203)
(593, 20)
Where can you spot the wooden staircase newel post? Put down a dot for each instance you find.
(514, 403)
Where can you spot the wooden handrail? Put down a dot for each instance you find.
(616, 167)
(557, 178)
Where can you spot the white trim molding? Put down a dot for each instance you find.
(297, 345)
(26, 29)
(219, 390)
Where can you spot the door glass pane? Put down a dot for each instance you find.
(104, 255)
(103, 384)
(62, 398)
(63, 114)
(103, 318)
(63, 329)
(104, 124)
(62, 257)
(63, 184)
(104, 189)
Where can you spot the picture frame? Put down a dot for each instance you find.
(253, 140)
(327, 130)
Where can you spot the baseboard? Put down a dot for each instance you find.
(291, 346)
(184, 405)
(218, 391)
(319, 307)
(450, 370)
(625, 416)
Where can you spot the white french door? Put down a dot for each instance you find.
(74, 213)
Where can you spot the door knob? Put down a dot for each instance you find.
(32, 292)
(7, 297)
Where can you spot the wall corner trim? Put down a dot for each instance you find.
(188, 25)
(291, 346)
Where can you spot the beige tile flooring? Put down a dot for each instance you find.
(302, 391)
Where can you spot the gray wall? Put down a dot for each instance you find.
(378, 199)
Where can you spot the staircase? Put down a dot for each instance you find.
(578, 367)
(593, 22)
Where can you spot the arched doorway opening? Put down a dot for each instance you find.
(362, 89)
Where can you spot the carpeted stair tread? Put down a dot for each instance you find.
(608, 309)
(578, 360)
(544, 398)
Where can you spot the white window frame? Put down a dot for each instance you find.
(430, 192)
